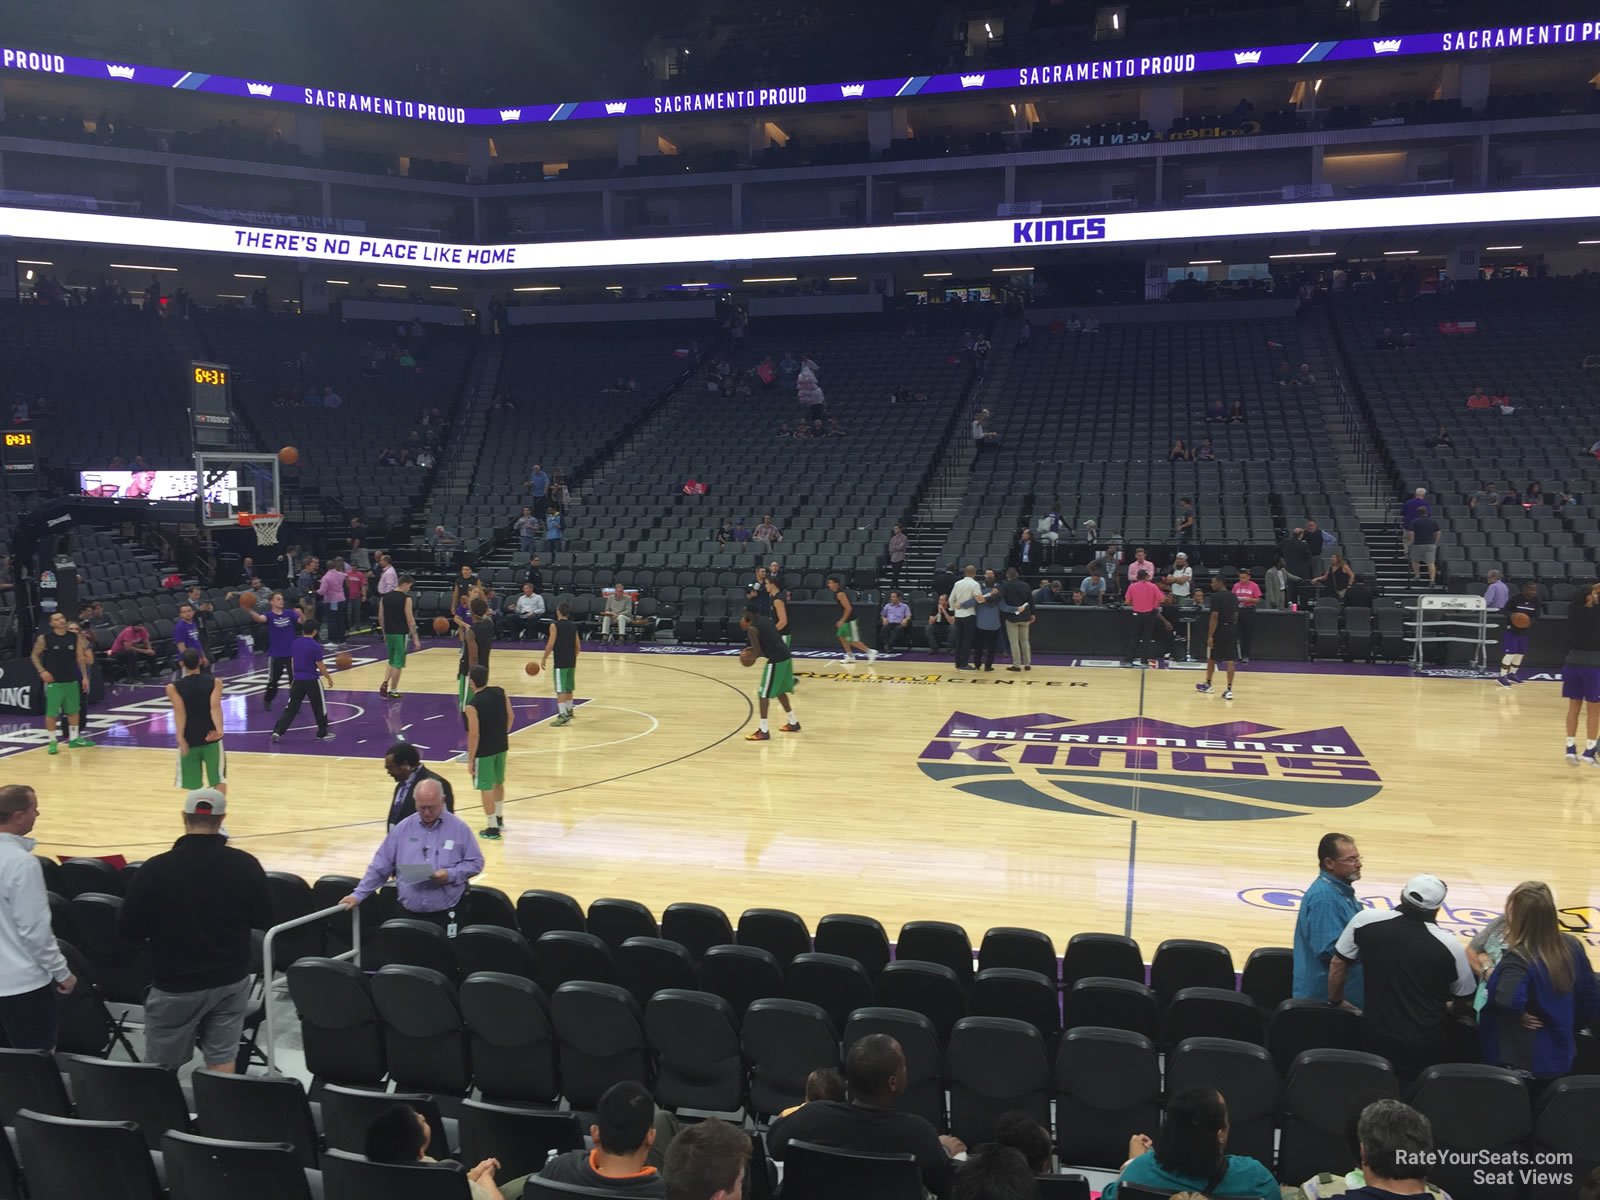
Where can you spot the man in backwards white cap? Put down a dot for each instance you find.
(1413, 971)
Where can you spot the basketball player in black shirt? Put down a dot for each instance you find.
(197, 715)
(477, 640)
(398, 621)
(564, 644)
(489, 718)
(1222, 637)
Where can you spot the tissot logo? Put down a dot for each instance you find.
(117, 72)
(259, 89)
(1138, 767)
(1075, 229)
(616, 107)
(1386, 46)
(971, 81)
(1246, 58)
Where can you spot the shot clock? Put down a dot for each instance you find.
(19, 461)
(211, 405)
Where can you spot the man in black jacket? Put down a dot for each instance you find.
(875, 1069)
(197, 905)
(404, 765)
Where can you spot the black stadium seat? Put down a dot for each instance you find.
(600, 1040)
(997, 1065)
(338, 1022)
(256, 1108)
(1243, 1073)
(1113, 1003)
(645, 965)
(202, 1167)
(513, 1045)
(937, 942)
(67, 1159)
(741, 975)
(696, 927)
(784, 1041)
(857, 937)
(539, 912)
(520, 1138)
(1317, 1096)
(695, 1039)
(1107, 1088)
(925, 987)
(424, 1038)
(1477, 1108)
(492, 948)
(615, 921)
(144, 1093)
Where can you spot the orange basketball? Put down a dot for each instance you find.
(343, 661)
(747, 656)
(288, 456)
(532, 668)
(441, 625)
(247, 599)
(1521, 620)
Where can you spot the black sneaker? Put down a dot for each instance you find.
(491, 834)
(325, 735)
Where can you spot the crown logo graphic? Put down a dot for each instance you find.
(1243, 57)
(852, 89)
(613, 107)
(117, 72)
(259, 89)
(971, 81)
(1386, 46)
(511, 114)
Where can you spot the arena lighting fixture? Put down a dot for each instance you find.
(443, 287)
(399, 287)
(343, 282)
(613, 287)
(1388, 215)
(229, 296)
(937, 274)
(1308, 254)
(694, 285)
(138, 267)
(34, 262)
(1205, 262)
(1502, 247)
(774, 279)
(544, 287)
(1001, 270)
(1590, 242)
(1398, 253)
(239, 275)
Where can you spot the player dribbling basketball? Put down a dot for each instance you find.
(564, 644)
(777, 677)
(1514, 642)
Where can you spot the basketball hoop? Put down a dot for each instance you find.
(265, 524)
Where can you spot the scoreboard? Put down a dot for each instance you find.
(211, 405)
(19, 460)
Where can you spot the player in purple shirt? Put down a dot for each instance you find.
(305, 666)
(185, 632)
(282, 624)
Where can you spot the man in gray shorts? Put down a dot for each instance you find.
(196, 905)
(1425, 545)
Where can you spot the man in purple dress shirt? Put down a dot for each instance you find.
(431, 855)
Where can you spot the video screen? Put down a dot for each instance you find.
(221, 488)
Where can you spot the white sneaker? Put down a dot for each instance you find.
(1227, 694)
(872, 655)
(848, 659)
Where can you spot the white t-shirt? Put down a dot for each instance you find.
(1182, 580)
(965, 589)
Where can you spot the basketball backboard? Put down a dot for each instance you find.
(231, 482)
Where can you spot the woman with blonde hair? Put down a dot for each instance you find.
(1540, 994)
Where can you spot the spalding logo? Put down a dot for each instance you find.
(1138, 767)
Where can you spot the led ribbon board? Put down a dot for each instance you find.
(1154, 66)
(871, 241)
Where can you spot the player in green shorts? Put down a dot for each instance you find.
(197, 716)
(398, 620)
(777, 677)
(61, 655)
(780, 607)
(849, 637)
(489, 717)
(565, 644)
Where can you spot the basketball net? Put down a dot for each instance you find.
(265, 524)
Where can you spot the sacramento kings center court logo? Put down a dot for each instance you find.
(1134, 767)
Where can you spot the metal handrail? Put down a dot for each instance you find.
(268, 973)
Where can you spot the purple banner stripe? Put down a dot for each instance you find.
(1137, 67)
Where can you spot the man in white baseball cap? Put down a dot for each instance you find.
(1414, 973)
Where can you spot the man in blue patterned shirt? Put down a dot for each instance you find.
(1326, 909)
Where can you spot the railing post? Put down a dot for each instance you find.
(268, 973)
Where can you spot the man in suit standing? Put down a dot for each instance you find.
(404, 765)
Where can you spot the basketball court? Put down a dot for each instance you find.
(1074, 797)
